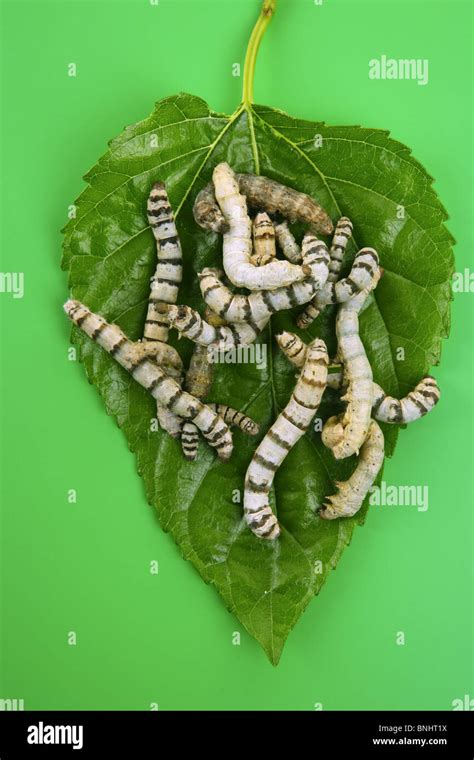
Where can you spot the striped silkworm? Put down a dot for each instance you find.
(351, 493)
(169, 269)
(198, 381)
(148, 374)
(287, 243)
(264, 245)
(263, 193)
(421, 400)
(354, 423)
(418, 402)
(342, 234)
(237, 241)
(259, 306)
(289, 427)
(164, 283)
(190, 324)
(364, 271)
(234, 418)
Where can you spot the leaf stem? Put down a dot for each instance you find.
(268, 9)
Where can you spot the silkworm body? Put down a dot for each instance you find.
(237, 242)
(358, 373)
(290, 248)
(263, 240)
(365, 270)
(207, 212)
(232, 417)
(169, 269)
(288, 428)
(259, 306)
(148, 374)
(267, 194)
(169, 422)
(340, 239)
(351, 494)
(199, 376)
(198, 382)
(421, 400)
(190, 323)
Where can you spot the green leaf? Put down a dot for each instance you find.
(109, 252)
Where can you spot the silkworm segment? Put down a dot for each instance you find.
(148, 374)
(289, 427)
(263, 193)
(287, 243)
(259, 306)
(351, 494)
(263, 240)
(363, 273)
(237, 242)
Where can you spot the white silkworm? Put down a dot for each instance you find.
(289, 427)
(190, 323)
(259, 306)
(342, 234)
(421, 400)
(364, 271)
(264, 246)
(198, 381)
(358, 373)
(232, 417)
(169, 269)
(148, 374)
(287, 243)
(351, 494)
(237, 243)
(267, 194)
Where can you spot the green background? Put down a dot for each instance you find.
(84, 567)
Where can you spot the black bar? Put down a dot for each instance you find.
(149, 734)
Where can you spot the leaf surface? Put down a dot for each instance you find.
(109, 252)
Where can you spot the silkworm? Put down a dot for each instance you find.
(287, 243)
(351, 494)
(264, 246)
(341, 237)
(148, 374)
(289, 427)
(232, 417)
(358, 372)
(190, 324)
(364, 271)
(198, 381)
(164, 283)
(418, 402)
(169, 269)
(421, 400)
(254, 308)
(237, 241)
(263, 193)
